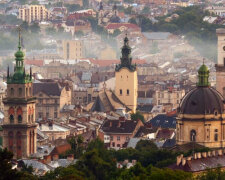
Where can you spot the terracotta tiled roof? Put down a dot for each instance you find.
(34, 62)
(164, 134)
(118, 25)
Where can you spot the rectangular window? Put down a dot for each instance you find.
(47, 115)
(128, 92)
(121, 92)
(111, 138)
(118, 145)
(40, 115)
(55, 114)
(118, 138)
(113, 144)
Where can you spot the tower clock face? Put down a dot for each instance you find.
(224, 48)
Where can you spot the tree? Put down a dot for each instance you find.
(137, 116)
(50, 31)
(146, 145)
(155, 48)
(76, 145)
(34, 28)
(73, 7)
(79, 33)
(85, 3)
(116, 33)
(145, 10)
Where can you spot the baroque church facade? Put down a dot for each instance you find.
(201, 116)
(19, 127)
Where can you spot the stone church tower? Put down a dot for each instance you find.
(19, 127)
(126, 85)
(220, 66)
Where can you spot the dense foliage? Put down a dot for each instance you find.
(98, 163)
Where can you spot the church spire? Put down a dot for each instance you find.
(126, 59)
(19, 76)
(203, 76)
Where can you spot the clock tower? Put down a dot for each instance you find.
(220, 66)
(19, 127)
(126, 85)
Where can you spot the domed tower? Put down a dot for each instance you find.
(19, 127)
(201, 117)
(126, 85)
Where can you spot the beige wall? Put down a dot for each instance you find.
(33, 13)
(167, 97)
(73, 49)
(205, 130)
(127, 81)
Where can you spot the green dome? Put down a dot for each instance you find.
(203, 68)
(19, 55)
(203, 76)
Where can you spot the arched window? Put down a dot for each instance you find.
(10, 141)
(26, 91)
(20, 115)
(216, 135)
(193, 135)
(20, 91)
(12, 92)
(19, 144)
(11, 119)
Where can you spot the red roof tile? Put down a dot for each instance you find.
(34, 62)
(118, 25)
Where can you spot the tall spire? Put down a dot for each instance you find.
(19, 75)
(203, 76)
(126, 59)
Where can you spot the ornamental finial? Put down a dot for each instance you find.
(19, 43)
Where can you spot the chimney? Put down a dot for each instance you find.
(134, 162)
(47, 159)
(70, 157)
(179, 158)
(220, 152)
(209, 154)
(50, 125)
(119, 123)
(204, 154)
(55, 157)
(189, 158)
(199, 155)
(195, 156)
(125, 161)
(183, 161)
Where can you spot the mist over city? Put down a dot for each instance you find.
(112, 89)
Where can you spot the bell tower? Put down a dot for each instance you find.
(220, 66)
(126, 78)
(19, 127)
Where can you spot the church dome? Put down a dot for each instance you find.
(203, 99)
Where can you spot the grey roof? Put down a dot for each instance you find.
(35, 164)
(49, 88)
(163, 121)
(156, 35)
(61, 163)
(86, 76)
(133, 142)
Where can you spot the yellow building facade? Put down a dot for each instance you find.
(126, 84)
(73, 49)
(30, 13)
